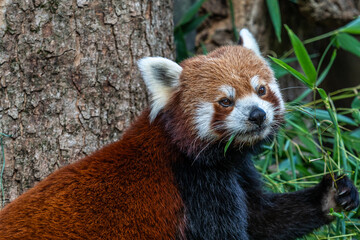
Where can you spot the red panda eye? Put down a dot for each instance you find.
(225, 102)
(261, 91)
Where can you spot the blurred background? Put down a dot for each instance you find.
(307, 18)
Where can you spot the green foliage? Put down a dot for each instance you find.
(353, 27)
(274, 11)
(349, 43)
(231, 139)
(232, 15)
(189, 22)
(318, 138)
(303, 58)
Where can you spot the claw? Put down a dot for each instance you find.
(342, 192)
(348, 208)
(344, 203)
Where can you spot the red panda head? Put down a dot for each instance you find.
(207, 99)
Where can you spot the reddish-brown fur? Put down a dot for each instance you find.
(123, 191)
(203, 77)
(127, 190)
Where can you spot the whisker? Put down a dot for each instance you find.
(295, 87)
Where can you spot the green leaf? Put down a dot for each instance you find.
(310, 145)
(191, 12)
(181, 48)
(228, 143)
(324, 96)
(352, 140)
(303, 57)
(356, 109)
(291, 70)
(278, 70)
(193, 24)
(326, 101)
(343, 155)
(352, 27)
(332, 213)
(327, 69)
(349, 43)
(204, 49)
(232, 15)
(298, 128)
(356, 102)
(280, 141)
(356, 115)
(356, 133)
(324, 115)
(274, 10)
(338, 148)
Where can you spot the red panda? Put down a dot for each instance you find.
(168, 177)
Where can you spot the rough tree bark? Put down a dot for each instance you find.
(68, 78)
(217, 30)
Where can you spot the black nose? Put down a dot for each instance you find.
(257, 116)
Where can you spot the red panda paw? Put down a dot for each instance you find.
(347, 196)
(341, 194)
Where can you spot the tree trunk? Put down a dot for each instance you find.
(69, 83)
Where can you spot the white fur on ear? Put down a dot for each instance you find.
(248, 41)
(161, 77)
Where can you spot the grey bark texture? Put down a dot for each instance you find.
(217, 30)
(69, 83)
(330, 12)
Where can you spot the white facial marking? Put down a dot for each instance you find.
(203, 118)
(275, 89)
(249, 41)
(228, 90)
(161, 77)
(237, 121)
(255, 82)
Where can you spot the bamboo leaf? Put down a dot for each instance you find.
(232, 15)
(324, 115)
(228, 143)
(335, 214)
(353, 27)
(326, 101)
(349, 43)
(274, 10)
(204, 49)
(292, 71)
(303, 57)
(194, 23)
(327, 69)
(278, 70)
(191, 13)
(356, 102)
(310, 145)
(181, 48)
(323, 95)
(356, 109)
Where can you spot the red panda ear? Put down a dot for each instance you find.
(161, 77)
(247, 40)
